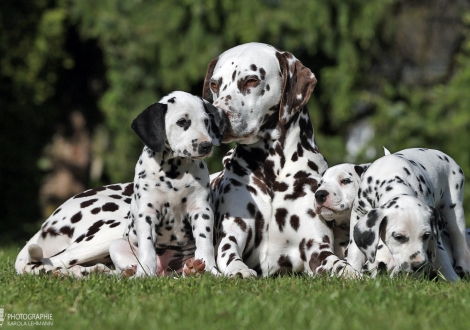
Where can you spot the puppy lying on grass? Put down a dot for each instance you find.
(406, 200)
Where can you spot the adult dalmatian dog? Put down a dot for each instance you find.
(76, 238)
(406, 199)
(264, 215)
(171, 224)
(334, 200)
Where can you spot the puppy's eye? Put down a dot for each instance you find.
(214, 87)
(426, 236)
(346, 181)
(400, 238)
(206, 122)
(182, 122)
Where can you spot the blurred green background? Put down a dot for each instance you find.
(73, 75)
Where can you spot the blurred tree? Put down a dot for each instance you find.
(30, 52)
(42, 83)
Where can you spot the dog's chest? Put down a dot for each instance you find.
(170, 191)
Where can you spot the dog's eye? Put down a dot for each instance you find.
(426, 236)
(400, 238)
(251, 82)
(214, 87)
(346, 181)
(206, 122)
(182, 122)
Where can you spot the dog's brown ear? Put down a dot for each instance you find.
(299, 82)
(206, 90)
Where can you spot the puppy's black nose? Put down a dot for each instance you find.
(320, 195)
(204, 148)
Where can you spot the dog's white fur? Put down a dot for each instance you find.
(170, 209)
(334, 199)
(407, 189)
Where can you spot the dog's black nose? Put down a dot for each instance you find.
(204, 148)
(320, 195)
(415, 266)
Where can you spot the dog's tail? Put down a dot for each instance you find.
(386, 152)
(31, 252)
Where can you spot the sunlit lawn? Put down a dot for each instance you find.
(288, 302)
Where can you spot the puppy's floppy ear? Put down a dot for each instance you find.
(360, 169)
(206, 90)
(219, 122)
(298, 84)
(367, 232)
(437, 226)
(150, 126)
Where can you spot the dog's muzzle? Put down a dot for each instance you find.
(204, 148)
(320, 196)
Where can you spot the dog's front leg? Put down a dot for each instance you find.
(231, 247)
(146, 257)
(202, 220)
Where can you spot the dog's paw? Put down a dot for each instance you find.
(129, 272)
(348, 272)
(37, 268)
(244, 273)
(194, 267)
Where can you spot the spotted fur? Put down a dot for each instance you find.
(171, 219)
(334, 199)
(76, 238)
(264, 215)
(407, 199)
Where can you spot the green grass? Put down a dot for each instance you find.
(288, 302)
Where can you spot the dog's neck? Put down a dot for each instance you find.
(276, 145)
(169, 163)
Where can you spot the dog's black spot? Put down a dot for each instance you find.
(363, 239)
(76, 217)
(110, 207)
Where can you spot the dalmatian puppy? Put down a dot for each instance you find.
(171, 224)
(406, 199)
(334, 199)
(75, 239)
(264, 217)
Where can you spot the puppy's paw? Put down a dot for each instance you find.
(244, 273)
(129, 272)
(194, 267)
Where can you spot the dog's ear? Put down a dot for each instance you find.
(150, 126)
(367, 232)
(298, 84)
(206, 90)
(218, 122)
(437, 226)
(360, 169)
